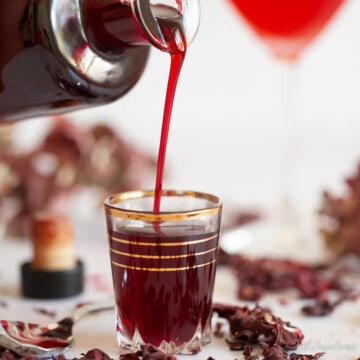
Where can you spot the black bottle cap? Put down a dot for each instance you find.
(52, 284)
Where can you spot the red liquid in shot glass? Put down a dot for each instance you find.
(163, 283)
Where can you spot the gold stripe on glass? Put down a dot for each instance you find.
(140, 256)
(153, 217)
(156, 269)
(112, 206)
(191, 242)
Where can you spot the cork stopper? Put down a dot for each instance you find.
(52, 238)
(54, 271)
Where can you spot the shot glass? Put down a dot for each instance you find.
(163, 267)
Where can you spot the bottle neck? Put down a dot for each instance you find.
(110, 26)
(115, 25)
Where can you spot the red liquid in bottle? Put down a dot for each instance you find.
(48, 67)
(160, 303)
(287, 26)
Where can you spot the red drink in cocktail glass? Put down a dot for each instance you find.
(287, 27)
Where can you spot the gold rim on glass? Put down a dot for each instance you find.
(112, 209)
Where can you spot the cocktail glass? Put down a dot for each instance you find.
(287, 28)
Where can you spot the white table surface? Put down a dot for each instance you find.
(337, 334)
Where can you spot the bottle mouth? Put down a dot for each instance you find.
(150, 13)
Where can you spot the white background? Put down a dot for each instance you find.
(228, 131)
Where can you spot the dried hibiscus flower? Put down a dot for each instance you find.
(67, 159)
(321, 307)
(340, 216)
(257, 275)
(258, 326)
(276, 353)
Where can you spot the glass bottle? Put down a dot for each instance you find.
(62, 55)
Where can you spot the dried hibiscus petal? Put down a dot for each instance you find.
(255, 276)
(258, 326)
(320, 307)
(67, 159)
(340, 226)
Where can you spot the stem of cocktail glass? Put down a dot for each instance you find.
(288, 213)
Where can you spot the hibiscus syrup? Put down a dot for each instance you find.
(177, 49)
(287, 26)
(171, 305)
(107, 22)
